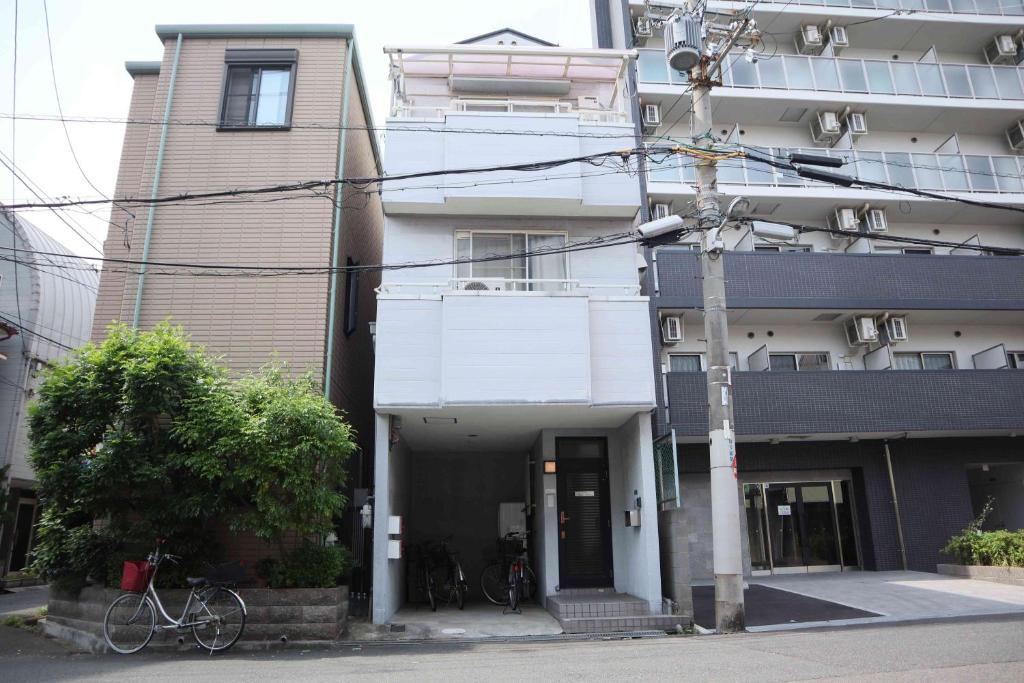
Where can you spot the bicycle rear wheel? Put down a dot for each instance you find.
(493, 584)
(431, 590)
(222, 618)
(515, 583)
(129, 623)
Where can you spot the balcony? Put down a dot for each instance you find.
(439, 346)
(865, 402)
(994, 7)
(508, 133)
(937, 172)
(848, 281)
(856, 76)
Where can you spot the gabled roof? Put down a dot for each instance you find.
(525, 36)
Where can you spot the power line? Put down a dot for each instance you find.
(23, 328)
(14, 181)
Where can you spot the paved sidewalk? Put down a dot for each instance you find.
(478, 620)
(899, 596)
(23, 600)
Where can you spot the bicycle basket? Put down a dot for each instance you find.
(135, 575)
(512, 546)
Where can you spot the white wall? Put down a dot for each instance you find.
(391, 497)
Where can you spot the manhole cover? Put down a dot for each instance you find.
(453, 631)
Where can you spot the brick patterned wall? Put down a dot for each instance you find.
(836, 281)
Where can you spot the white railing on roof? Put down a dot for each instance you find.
(501, 285)
(507, 106)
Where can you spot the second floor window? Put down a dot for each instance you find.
(529, 269)
(258, 88)
(798, 361)
(1015, 359)
(923, 361)
(785, 248)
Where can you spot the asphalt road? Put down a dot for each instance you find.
(989, 649)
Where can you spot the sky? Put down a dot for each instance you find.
(92, 39)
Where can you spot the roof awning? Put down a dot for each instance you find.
(500, 61)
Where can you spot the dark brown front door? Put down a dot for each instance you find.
(584, 523)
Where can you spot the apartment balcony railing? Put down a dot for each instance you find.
(501, 285)
(847, 281)
(938, 172)
(507, 106)
(997, 7)
(860, 76)
(855, 402)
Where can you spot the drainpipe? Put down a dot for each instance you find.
(896, 506)
(350, 48)
(156, 183)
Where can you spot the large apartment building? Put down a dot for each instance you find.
(878, 386)
(515, 395)
(253, 106)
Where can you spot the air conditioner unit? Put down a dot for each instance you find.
(659, 211)
(588, 102)
(843, 219)
(1015, 136)
(861, 330)
(856, 123)
(1002, 50)
(874, 220)
(672, 329)
(838, 38)
(643, 28)
(825, 127)
(809, 40)
(651, 117)
(895, 328)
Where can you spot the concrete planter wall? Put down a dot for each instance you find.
(275, 617)
(1009, 575)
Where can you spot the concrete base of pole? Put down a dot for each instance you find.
(729, 613)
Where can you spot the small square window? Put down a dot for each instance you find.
(259, 86)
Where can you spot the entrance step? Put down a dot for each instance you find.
(605, 611)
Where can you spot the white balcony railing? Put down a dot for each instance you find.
(508, 106)
(860, 76)
(996, 7)
(494, 285)
(938, 172)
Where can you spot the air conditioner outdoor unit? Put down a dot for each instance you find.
(896, 329)
(838, 38)
(1002, 50)
(588, 102)
(643, 28)
(874, 220)
(659, 211)
(856, 123)
(825, 127)
(809, 40)
(861, 330)
(672, 329)
(651, 117)
(1015, 136)
(843, 219)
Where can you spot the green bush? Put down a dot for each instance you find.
(308, 566)
(972, 546)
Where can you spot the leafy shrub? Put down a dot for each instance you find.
(972, 546)
(308, 566)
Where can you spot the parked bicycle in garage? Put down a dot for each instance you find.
(510, 580)
(439, 574)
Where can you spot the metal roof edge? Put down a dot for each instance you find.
(255, 30)
(139, 68)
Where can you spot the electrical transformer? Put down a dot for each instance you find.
(683, 41)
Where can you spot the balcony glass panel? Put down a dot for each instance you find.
(1008, 81)
(957, 82)
(652, 67)
(983, 81)
(773, 73)
(879, 78)
(689, 172)
(798, 71)
(1008, 175)
(901, 171)
(852, 72)
(953, 173)
(931, 79)
(679, 77)
(871, 167)
(980, 172)
(664, 170)
(743, 73)
(758, 173)
(926, 166)
(906, 79)
(826, 76)
(730, 171)
(937, 5)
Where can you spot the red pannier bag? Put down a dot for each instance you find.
(135, 576)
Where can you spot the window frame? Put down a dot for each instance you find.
(498, 231)
(921, 355)
(796, 360)
(732, 355)
(1015, 360)
(784, 248)
(272, 58)
(351, 312)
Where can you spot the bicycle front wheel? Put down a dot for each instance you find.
(514, 589)
(493, 584)
(129, 623)
(221, 620)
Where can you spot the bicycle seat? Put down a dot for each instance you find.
(197, 580)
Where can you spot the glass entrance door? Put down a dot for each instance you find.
(800, 526)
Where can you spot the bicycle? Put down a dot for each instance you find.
(511, 572)
(452, 587)
(212, 609)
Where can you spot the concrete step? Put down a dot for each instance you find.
(596, 605)
(650, 622)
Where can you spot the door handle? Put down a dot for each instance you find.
(562, 517)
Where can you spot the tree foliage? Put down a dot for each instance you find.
(144, 435)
